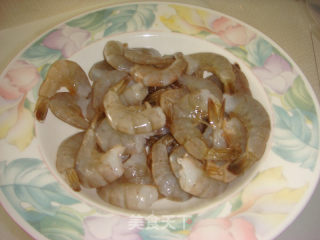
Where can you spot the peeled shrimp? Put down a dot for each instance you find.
(62, 73)
(107, 137)
(96, 169)
(114, 54)
(257, 123)
(147, 56)
(99, 70)
(136, 169)
(152, 76)
(162, 174)
(188, 114)
(134, 94)
(132, 119)
(176, 153)
(101, 86)
(66, 107)
(129, 195)
(194, 180)
(215, 63)
(66, 158)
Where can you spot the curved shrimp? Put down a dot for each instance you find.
(147, 56)
(215, 63)
(132, 119)
(66, 159)
(162, 174)
(177, 152)
(114, 54)
(257, 123)
(152, 76)
(134, 94)
(129, 195)
(189, 112)
(194, 180)
(67, 108)
(96, 169)
(62, 73)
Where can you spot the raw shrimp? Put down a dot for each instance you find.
(147, 56)
(215, 63)
(176, 153)
(257, 123)
(62, 73)
(152, 76)
(96, 169)
(198, 83)
(66, 107)
(194, 180)
(101, 86)
(162, 174)
(107, 137)
(66, 158)
(114, 54)
(129, 195)
(136, 169)
(241, 84)
(132, 119)
(219, 171)
(188, 114)
(134, 94)
(99, 70)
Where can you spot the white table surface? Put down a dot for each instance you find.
(287, 22)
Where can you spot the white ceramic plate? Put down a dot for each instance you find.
(260, 205)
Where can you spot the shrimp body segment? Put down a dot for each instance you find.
(215, 63)
(62, 73)
(194, 180)
(129, 195)
(66, 159)
(164, 178)
(257, 123)
(155, 77)
(131, 119)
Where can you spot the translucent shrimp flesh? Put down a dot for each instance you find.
(131, 119)
(152, 76)
(147, 56)
(163, 176)
(257, 123)
(62, 73)
(96, 169)
(67, 108)
(194, 180)
(66, 160)
(129, 195)
(215, 63)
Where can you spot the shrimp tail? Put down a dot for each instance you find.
(41, 109)
(73, 179)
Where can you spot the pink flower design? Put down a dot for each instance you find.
(67, 39)
(232, 32)
(20, 78)
(223, 229)
(276, 73)
(111, 228)
(16, 122)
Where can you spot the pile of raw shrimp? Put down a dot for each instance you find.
(154, 126)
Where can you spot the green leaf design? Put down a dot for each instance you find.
(258, 51)
(130, 18)
(93, 22)
(298, 97)
(238, 52)
(66, 224)
(236, 203)
(294, 139)
(31, 189)
(37, 54)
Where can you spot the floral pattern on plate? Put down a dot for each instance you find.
(258, 211)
